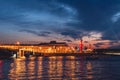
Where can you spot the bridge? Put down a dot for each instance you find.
(38, 49)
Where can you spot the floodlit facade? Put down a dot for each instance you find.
(55, 47)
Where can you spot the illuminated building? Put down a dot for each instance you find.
(55, 47)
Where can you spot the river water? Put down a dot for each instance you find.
(60, 68)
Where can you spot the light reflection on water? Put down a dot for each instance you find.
(58, 68)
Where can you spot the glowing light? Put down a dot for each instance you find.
(18, 43)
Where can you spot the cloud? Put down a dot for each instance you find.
(68, 40)
(115, 17)
(33, 17)
(71, 33)
(62, 19)
(38, 33)
(45, 13)
(107, 44)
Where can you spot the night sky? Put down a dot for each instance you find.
(34, 21)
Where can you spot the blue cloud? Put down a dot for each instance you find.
(62, 17)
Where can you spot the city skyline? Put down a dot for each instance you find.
(34, 21)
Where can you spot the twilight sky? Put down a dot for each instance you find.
(31, 21)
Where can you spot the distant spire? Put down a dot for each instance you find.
(81, 45)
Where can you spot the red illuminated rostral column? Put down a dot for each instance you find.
(81, 45)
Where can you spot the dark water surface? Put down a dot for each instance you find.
(60, 68)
